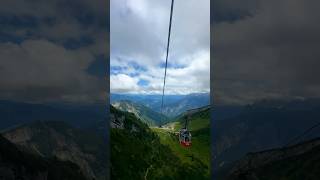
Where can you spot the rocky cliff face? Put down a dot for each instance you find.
(125, 120)
(117, 121)
(56, 139)
(17, 164)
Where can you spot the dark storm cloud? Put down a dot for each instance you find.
(49, 50)
(231, 10)
(273, 53)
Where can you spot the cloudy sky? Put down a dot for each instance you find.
(265, 49)
(138, 37)
(54, 50)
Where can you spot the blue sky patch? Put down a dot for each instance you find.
(143, 82)
(171, 65)
(114, 70)
(137, 67)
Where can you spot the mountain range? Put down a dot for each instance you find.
(18, 164)
(73, 133)
(57, 139)
(260, 126)
(173, 104)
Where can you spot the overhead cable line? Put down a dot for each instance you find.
(166, 65)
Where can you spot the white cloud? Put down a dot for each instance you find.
(273, 53)
(122, 82)
(139, 34)
(37, 61)
(190, 79)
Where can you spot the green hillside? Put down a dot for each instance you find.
(199, 120)
(137, 152)
(200, 129)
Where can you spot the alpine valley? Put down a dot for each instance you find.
(141, 149)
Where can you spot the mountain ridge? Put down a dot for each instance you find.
(17, 164)
(173, 104)
(294, 162)
(261, 126)
(147, 115)
(58, 139)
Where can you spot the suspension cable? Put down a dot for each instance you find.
(166, 65)
(304, 133)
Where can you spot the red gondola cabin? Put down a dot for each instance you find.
(185, 137)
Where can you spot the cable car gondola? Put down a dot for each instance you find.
(185, 135)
